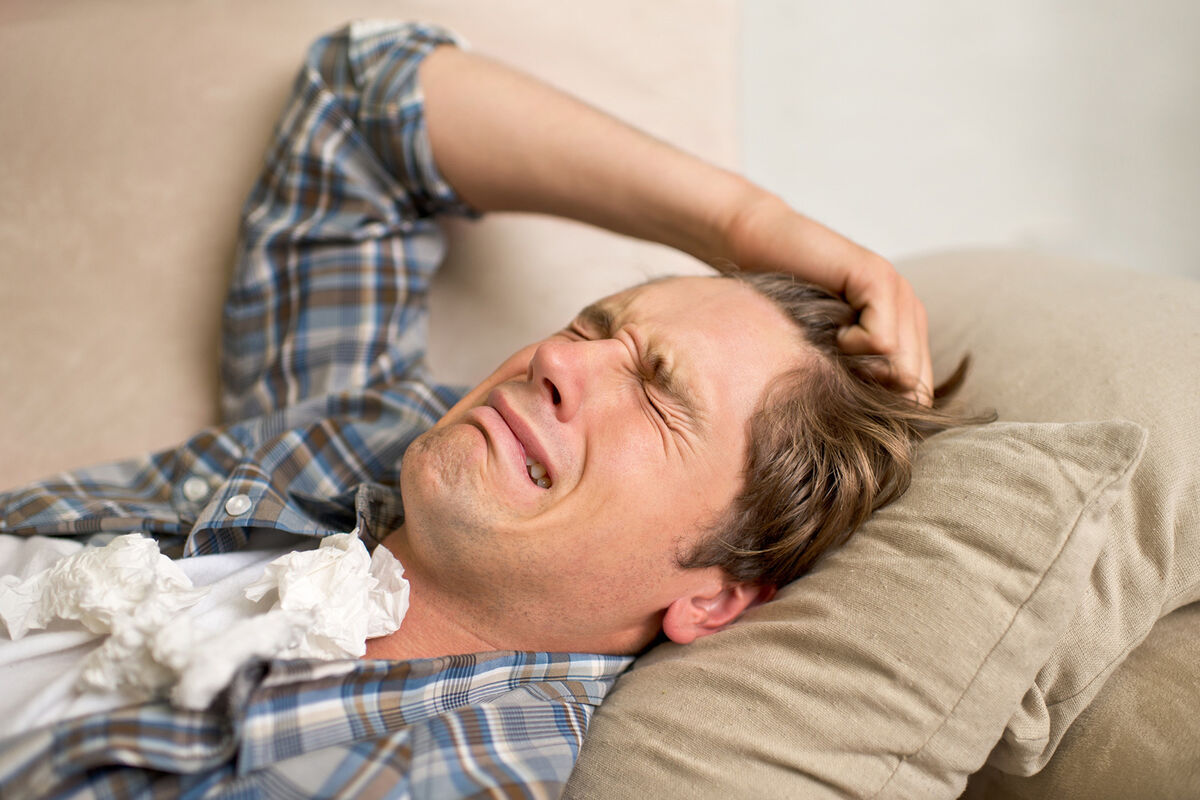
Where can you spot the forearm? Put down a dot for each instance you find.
(507, 142)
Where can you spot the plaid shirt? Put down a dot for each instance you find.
(323, 389)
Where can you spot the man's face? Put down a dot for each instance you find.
(638, 412)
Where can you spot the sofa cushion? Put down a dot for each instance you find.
(892, 668)
(1140, 737)
(1055, 339)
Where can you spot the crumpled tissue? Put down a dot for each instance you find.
(329, 601)
(346, 596)
(126, 589)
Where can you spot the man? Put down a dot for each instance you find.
(568, 504)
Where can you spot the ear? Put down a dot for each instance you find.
(688, 618)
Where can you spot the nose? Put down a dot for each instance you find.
(568, 373)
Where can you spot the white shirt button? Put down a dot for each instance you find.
(236, 505)
(195, 489)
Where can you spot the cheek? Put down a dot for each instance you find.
(638, 529)
(686, 506)
(628, 478)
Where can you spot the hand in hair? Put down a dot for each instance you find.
(769, 236)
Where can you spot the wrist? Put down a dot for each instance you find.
(739, 224)
(765, 234)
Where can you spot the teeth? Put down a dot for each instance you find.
(537, 473)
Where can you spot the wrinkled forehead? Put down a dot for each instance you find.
(679, 300)
(655, 297)
(615, 305)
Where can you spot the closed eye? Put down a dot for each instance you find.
(648, 364)
(599, 320)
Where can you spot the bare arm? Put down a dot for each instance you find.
(507, 142)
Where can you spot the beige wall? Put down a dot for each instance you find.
(1070, 126)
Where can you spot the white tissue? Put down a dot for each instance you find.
(329, 601)
(345, 595)
(127, 583)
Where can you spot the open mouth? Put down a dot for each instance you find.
(537, 473)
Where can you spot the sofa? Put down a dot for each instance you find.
(1023, 623)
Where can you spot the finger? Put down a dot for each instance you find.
(863, 339)
(908, 369)
(877, 304)
(910, 358)
(914, 363)
(925, 385)
(919, 384)
(873, 334)
(855, 340)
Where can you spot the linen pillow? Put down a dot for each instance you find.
(1139, 738)
(891, 669)
(1055, 339)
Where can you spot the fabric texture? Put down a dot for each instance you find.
(507, 724)
(1139, 738)
(892, 668)
(1052, 340)
(1055, 339)
(324, 387)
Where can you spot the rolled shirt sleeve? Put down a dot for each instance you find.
(338, 239)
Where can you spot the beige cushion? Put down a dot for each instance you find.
(132, 131)
(1139, 738)
(892, 668)
(1055, 339)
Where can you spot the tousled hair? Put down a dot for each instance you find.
(829, 444)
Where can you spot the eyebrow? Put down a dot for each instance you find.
(598, 316)
(602, 318)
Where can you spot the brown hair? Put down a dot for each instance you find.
(829, 444)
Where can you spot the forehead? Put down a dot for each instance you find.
(719, 336)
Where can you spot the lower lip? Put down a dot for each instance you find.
(504, 439)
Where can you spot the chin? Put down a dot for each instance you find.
(440, 480)
(437, 461)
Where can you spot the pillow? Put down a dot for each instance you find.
(1139, 738)
(1054, 340)
(891, 669)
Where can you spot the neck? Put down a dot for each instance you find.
(431, 627)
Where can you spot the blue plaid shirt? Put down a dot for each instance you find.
(323, 388)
